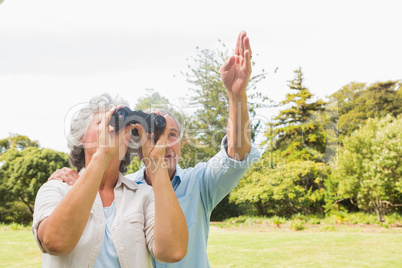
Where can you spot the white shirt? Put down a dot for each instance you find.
(132, 229)
(107, 256)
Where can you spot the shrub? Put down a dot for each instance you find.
(299, 217)
(297, 225)
(315, 220)
(278, 221)
(385, 225)
(328, 228)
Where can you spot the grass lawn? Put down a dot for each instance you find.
(308, 248)
(18, 248)
(245, 247)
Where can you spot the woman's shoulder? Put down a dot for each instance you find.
(137, 195)
(145, 189)
(137, 188)
(55, 185)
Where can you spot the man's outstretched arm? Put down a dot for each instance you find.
(235, 74)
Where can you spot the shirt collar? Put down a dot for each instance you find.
(178, 174)
(176, 179)
(121, 180)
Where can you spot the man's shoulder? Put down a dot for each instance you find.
(191, 170)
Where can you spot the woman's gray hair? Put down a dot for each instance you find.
(80, 124)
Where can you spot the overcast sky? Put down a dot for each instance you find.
(55, 55)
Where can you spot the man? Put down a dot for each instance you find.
(201, 188)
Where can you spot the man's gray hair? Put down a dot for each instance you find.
(81, 122)
(167, 112)
(163, 112)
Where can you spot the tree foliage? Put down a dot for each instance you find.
(16, 141)
(21, 174)
(357, 102)
(152, 99)
(287, 189)
(370, 166)
(298, 133)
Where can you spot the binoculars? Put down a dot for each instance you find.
(123, 116)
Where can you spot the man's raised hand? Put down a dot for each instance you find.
(236, 71)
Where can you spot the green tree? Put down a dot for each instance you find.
(370, 166)
(16, 141)
(152, 99)
(298, 132)
(287, 189)
(22, 174)
(357, 102)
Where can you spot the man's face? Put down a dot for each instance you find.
(172, 152)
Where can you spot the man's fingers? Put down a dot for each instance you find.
(71, 179)
(66, 175)
(228, 64)
(239, 56)
(159, 138)
(70, 172)
(241, 43)
(247, 59)
(246, 44)
(66, 179)
(164, 136)
(237, 48)
(142, 133)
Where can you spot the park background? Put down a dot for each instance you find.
(325, 98)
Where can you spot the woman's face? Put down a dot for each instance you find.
(90, 142)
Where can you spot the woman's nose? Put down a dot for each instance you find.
(168, 145)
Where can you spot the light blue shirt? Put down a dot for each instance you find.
(199, 190)
(107, 256)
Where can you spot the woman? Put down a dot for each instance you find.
(104, 219)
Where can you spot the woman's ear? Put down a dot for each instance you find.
(82, 142)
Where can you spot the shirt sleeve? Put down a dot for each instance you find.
(149, 222)
(221, 174)
(48, 197)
